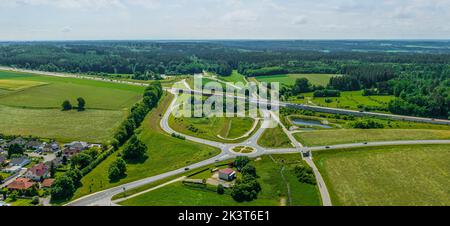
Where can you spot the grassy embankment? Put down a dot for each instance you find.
(162, 149)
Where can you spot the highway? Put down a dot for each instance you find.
(104, 198)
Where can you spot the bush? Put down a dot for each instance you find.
(135, 149)
(117, 169)
(241, 161)
(249, 170)
(305, 174)
(327, 93)
(220, 189)
(246, 190)
(35, 200)
(366, 124)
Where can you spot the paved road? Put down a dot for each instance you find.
(282, 104)
(104, 197)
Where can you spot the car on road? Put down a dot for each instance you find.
(327, 147)
(365, 143)
(186, 169)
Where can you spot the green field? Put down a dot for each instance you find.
(274, 138)
(31, 106)
(289, 79)
(235, 77)
(210, 127)
(14, 85)
(345, 136)
(274, 189)
(348, 100)
(398, 175)
(165, 154)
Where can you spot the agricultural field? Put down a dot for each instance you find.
(353, 100)
(31, 105)
(274, 189)
(162, 148)
(387, 176)
(345, 136)
(274, 138)
(289, 79)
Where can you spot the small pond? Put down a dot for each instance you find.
(303, 122)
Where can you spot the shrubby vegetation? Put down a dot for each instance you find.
(247, 187)
(366, 124)
(305, 174)
(65, 185)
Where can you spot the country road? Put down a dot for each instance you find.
(281, 104)
(104, 198)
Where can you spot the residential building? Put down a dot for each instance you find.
(38, 172)
(227, 174)
(12, 169)
(21, 161)
(47, 183)
(21, 184)
(33, 145)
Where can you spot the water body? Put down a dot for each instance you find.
(303, 122)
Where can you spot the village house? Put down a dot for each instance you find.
(33, 145)
(38, 172)
(12, 169)
(74, 148)
(47, 183)
(227, 174)
(19, 140)
(20, 184)
(49, 147)
(21, 161)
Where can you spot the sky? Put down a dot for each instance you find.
(223, 19)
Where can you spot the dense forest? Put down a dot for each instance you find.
(417, 72)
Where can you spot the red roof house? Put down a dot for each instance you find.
(47, 183)
(37, 172)
(21, 184)
(227, 174)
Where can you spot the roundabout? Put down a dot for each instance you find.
(243, 150)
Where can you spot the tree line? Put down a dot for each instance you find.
(65, 185)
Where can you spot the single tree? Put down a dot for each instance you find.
(15, 150)
(81, 104)
(52, 170)
(66, 106)
(135, 149)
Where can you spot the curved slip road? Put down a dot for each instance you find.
(103, 198)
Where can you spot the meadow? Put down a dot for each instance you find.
(31, 105)
(274, 138)
(235, 77)
(348, 100)
(274, 189)
(345, 136)
(289, 79)
(387, 176)
(162, 149)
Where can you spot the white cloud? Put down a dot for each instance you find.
(66, 29)
(240, 16)
(300, 20)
